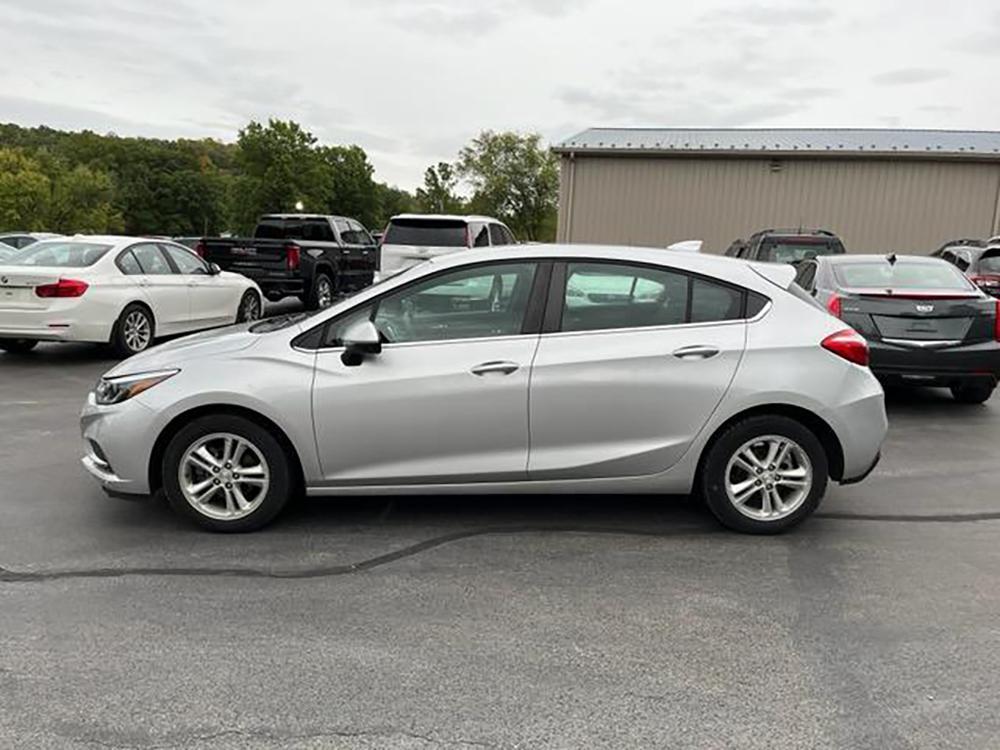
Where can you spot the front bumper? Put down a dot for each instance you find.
(118, 443)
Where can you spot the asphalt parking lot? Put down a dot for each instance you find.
(497, 622)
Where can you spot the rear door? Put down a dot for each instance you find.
(211, 297)
(633, 362)
(166, 290)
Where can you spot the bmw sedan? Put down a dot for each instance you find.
(926, 323)
(567, 369)
(118, 290)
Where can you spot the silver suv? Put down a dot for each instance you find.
(536, 369)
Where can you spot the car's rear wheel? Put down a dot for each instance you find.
(227, 473)
(321, 295)
(972, 393)
(134, 331)
(18, 346)
(250, 307)
(764, 475)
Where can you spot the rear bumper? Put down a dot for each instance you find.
(865, 474)
(944, 366)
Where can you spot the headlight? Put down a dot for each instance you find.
(114, 390)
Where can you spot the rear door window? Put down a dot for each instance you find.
(128, 264)
(426, 233)
(712, 302)
(480, 234)
(605, 296)
(151, 260)
(496, 235)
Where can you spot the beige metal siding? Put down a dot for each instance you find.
(874, 205)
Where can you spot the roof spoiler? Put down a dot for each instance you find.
(779, 274)
(687, 246)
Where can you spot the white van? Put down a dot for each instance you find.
(413, 238)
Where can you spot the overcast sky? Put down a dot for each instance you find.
(412, 80)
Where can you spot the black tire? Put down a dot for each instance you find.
(278, 491)
(317, 296)
(123, 343)
(251, 307)
(972, 393)
(725, 447)
(18, 346)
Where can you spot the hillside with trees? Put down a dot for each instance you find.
(52, 180)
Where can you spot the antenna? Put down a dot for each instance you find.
(892, 259)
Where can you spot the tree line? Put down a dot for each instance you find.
(68, 182)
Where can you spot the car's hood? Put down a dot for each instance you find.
(214, 343)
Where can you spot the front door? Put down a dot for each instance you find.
(446, 401)
(211, 299)
(640, 359)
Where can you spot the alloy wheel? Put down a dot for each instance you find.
(250, 309)
(137, 331)
(224, 476)
(324, 292)
(769, 478)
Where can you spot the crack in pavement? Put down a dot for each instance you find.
(331, 571)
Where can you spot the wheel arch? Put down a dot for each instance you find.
(810, 420)
(137, 303)
(155, 468)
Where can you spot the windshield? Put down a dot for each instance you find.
(795, 251)
(58, 254)
(903, 275)
(990, 262)
(427, 232)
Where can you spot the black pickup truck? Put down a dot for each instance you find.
(316, 258)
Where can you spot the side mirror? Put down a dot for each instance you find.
(213, 268)
(360, 340)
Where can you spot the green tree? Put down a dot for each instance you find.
(391, 201)
(352, 191)
(439, 193)
(515, 179)
(81, 201)
(281, 167)
(24, 192)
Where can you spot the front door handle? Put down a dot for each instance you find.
(502, 368)
(696, 352)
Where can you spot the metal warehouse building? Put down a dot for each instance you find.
(904, 190)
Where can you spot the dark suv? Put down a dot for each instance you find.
(787, 245)
(977, 260)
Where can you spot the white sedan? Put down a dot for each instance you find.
(124, 291)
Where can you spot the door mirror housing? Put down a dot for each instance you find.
(361, 340)
(213, 269)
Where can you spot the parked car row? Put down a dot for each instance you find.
(977, 259)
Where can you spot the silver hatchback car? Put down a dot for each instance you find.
(568, 369)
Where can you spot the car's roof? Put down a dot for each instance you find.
(797, 233)
(446, 217)
(36, 235)
(302, 216)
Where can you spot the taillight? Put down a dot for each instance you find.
(62, 289)
(848, 344)
(199, 248)
(996, 323)
(293, 257)
(835, 306)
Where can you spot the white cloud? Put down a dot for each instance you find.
(412, 80)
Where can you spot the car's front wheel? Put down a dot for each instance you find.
(765, 474)
(18, 346)
(226, 473)
(972, 393)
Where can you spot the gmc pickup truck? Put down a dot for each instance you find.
(313, 257)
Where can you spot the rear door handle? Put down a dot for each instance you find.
(502, 368)
(696, 352)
